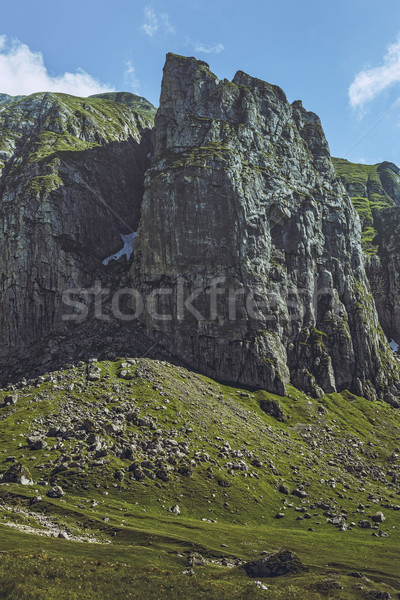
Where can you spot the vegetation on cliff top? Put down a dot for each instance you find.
(372, 188)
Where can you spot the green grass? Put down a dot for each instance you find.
(341, 449)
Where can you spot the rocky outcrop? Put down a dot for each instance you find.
(71, 180)
(372, 188)
(383, 271)
(249, 247)
(375, 193)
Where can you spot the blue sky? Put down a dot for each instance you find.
(342, 58)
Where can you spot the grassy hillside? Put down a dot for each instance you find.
(131, 440)
(372, 188)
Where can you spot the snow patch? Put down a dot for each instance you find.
(126, 250)
(394, 346)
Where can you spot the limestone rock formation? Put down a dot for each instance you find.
(375, 193)
(71, 180)
(244, 221)
(372, 188)
(383, 271)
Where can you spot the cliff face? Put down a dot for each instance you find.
(71, 180)
(372, 188)
(242, 209)
(383, 271)
(375, 193)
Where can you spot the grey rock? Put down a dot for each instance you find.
(70, 170)
(274, 565)
(36, 442)
(378, 517)
(55, 492)
(245, 182)
(175, 509)
(17, 473)
(364, 524)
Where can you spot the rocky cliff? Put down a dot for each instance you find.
(372, 188)
(249, 246)
(71, 180)
(375, 193)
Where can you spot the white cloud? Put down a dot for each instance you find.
(150, 26)
(209, 49)
(368, 83)
(130, 77)
(167, 27)
(23, 72)
(156, 23)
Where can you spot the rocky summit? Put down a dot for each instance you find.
(242, 205)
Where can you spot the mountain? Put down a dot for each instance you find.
(198, 398)
(71, 180)
(375, 193)
(242, 195)
(371, 188)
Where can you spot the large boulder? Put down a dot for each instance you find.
(282, 562)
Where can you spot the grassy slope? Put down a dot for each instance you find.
(144, 546)
(367, 186)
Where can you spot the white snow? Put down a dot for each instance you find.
(126, 250)
(394, 346)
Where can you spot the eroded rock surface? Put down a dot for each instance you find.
(71, 180)
(242, 196)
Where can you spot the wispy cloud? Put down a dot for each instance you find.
(22, 71)
(130, 77)
(209, 49)
(370, 82)
(156, 23)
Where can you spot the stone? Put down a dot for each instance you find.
(175, 509)
(282, 562)
(10, 399)
(55, 492)
(379, 595)
(17, 473)
(272, 408)
(378, 517)
(299, 493)
(62, 213)
(364, 524)
(254, 174)
(36, 442)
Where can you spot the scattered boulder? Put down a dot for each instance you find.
(379, 595)
(299, 493)
(272, 408)
(36, 442)
(364, 524)
(284, 489)
(196, 560)
(10, 399)
(274, 565)
(175, 509)
(17, 473)
(378, 517)
(55, 492)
